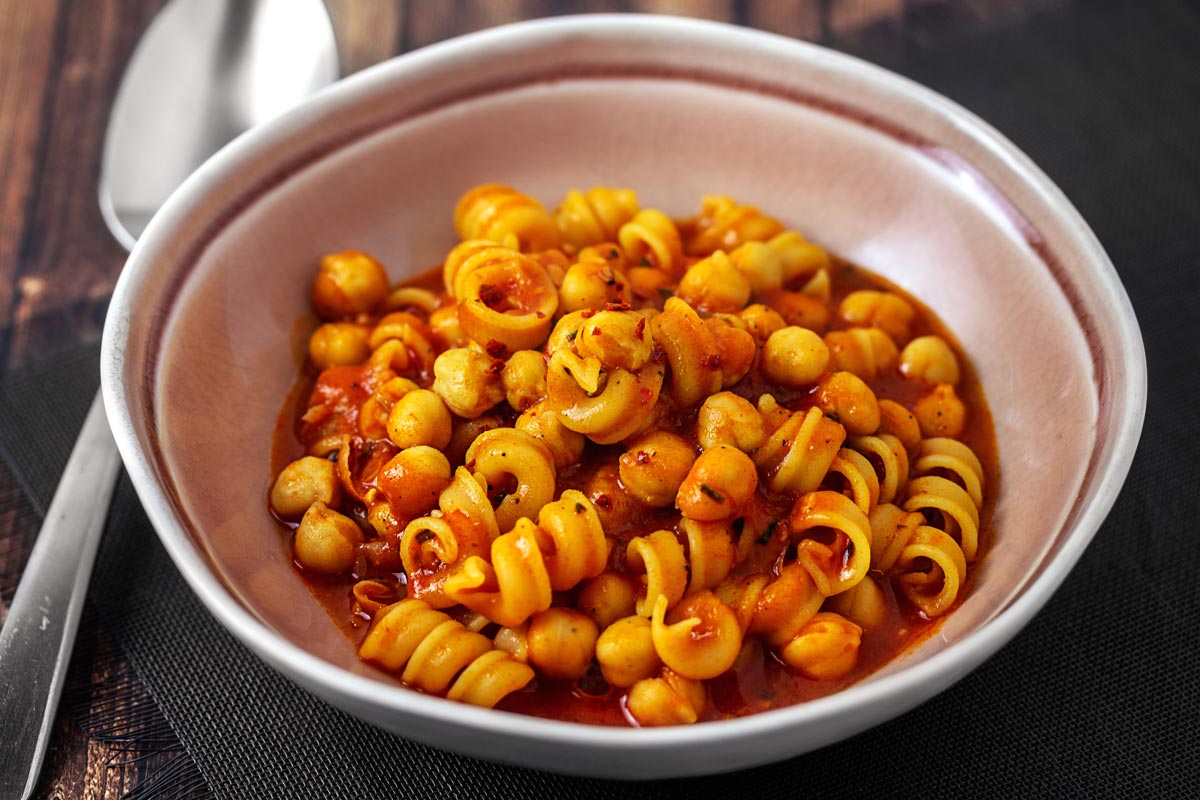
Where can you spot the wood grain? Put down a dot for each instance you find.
(27, 31)
(68, 263)
(367, 33)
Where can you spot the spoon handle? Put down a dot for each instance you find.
(39, 632)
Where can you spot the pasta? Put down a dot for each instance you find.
(610, 466)
(440, 656)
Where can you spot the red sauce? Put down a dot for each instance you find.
(759, 681)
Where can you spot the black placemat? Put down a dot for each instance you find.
(1098, 697)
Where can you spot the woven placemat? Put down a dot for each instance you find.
(1098, 697)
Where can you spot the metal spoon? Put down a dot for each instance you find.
(205, 71)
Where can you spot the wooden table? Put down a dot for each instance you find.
(60, 65)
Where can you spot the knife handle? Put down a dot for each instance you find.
(39, 631)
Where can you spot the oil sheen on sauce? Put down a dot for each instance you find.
(759, 681)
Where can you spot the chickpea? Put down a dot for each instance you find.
(336, 344)
(827, 647)
(871, 309)
(326, 541)
(413, 479)
(799, 258)
(524, 379)
(720, 483)
(303, 482)
(736, 348)
(653, 703)
(514, 641)
(713, 285)
(608, 597)
(899, 422)
(867, 352)
(444, 324)
(929, 359)
(348, 284)
(762, 321)
(655, 465)
(799, 309)
(466, 381)
(940, 412)
(614, 505)
(562, 642)
(648, 283)
(419, 417)
(626, 652)
(728, 419)
(760, 264)
(618, 339)
(566, 331)
(592, 284)
(865, 604)
(466, 432)
(541, 423)
(794, 357)
(692, 691)
(846, 399)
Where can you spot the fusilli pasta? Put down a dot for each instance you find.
(602, 460)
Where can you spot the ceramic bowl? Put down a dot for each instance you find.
(205, 333)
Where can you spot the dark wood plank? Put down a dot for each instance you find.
(27, 34)
(853, 15)
(797, 20)
(429, 21)
(68, 260)
(367, 33)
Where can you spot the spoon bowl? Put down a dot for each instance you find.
(204, 72)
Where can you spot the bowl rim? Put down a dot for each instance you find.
(955, 660)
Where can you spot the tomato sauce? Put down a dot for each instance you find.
(759, 680)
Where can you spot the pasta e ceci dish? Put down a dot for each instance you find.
(608, 467)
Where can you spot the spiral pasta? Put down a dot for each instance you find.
(503, 296)
(517, 468)
(566, 546)
(865, 352)
(440, 656)
(498, 213)
(800, 452)
(927, 563)
(701, 637)
(955, 458)
(698, 358)
(723, 225)
(635, 457)
(868, 308)
(650, 239)
(957, 501)
(960, 516)
(838, 562)
(785, 612)
(867, 483)
(594, 216)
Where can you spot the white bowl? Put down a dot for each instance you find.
(203, 343)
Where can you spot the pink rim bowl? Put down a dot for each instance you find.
(203, 340)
